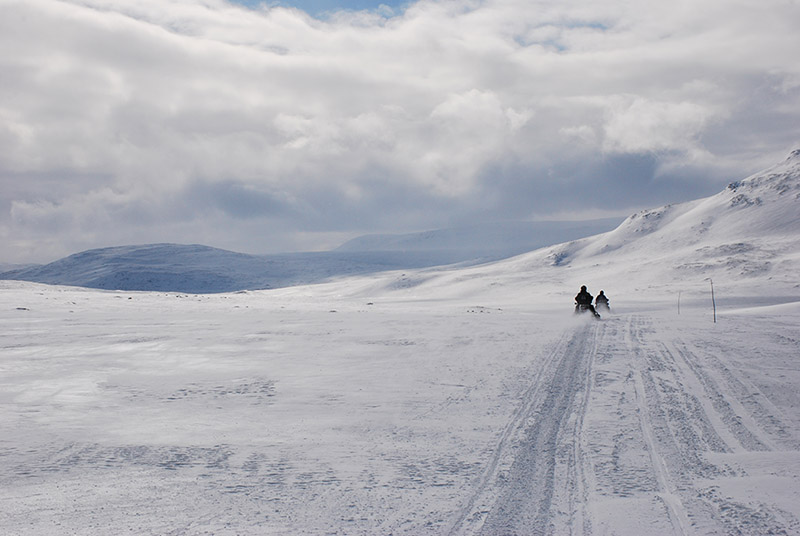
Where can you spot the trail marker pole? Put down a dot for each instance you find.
(713, 301)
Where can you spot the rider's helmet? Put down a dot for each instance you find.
(583, 287)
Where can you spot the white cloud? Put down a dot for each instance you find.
(641, 126)
(368, 121)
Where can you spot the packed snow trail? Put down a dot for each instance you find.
(535, 462)
(533, 486)
(546, 474)
(620, 434)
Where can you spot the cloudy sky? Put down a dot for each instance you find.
(285, 126)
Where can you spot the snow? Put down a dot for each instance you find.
(459, 400)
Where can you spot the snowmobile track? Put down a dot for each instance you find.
(551, 409)
(619, 414)
(689, 411)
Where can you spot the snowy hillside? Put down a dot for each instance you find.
(744, 236)
(7, 267)
(751, 229)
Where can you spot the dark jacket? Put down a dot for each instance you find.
(583, 298)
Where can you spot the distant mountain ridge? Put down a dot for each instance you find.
(749, 230)
(494, 240)
(203, 269)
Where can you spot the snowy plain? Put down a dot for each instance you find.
(431, 401)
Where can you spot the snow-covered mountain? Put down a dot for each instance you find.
(7, 267)
(749, 230)
(202, 269)
(741, 237)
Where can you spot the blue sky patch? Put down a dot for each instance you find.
(320, 7)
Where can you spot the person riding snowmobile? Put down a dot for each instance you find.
(583, 302)
(601, 301)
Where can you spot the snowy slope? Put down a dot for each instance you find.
(7, 267)
(750, 229)
(746, 235)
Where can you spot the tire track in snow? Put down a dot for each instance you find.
(575, 472)
(730, 423)
(623, 417)
(685, 416)
(549, 420)
(762, 423)
(654, 435)
(677, 415)
(474, 513)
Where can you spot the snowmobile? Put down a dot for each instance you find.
(601, 302)
(581, 308)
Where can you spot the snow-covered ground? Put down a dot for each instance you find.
(256, 413)
(434, 401)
